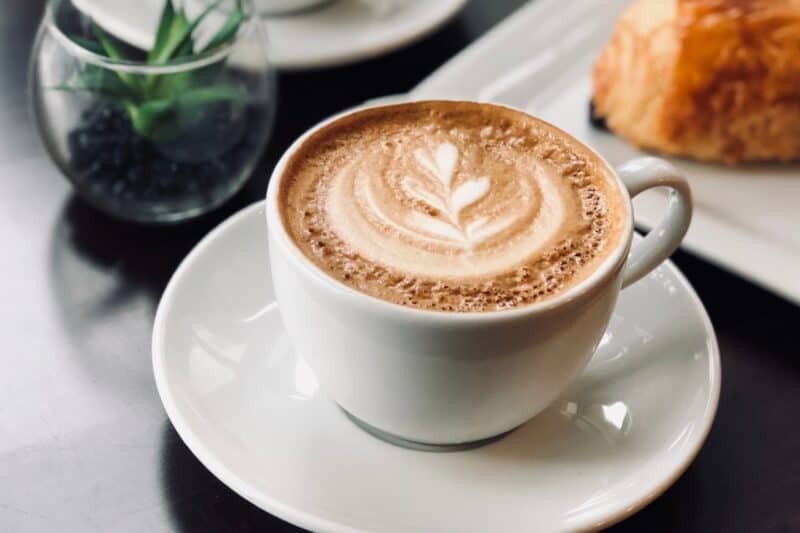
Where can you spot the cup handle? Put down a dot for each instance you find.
(644, 173)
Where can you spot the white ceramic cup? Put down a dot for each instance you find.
(443, 378)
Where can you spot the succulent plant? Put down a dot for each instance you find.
(160, 105)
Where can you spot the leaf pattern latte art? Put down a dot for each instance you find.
(439, 193)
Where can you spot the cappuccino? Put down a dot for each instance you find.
(451, 206)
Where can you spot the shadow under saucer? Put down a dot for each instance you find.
(197, 501)
(106, 277)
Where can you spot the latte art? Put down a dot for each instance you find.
(448, 206)
(429, 217)
(444, 197)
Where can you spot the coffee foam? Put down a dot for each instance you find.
(451, 206)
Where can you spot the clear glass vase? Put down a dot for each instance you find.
(151, 142)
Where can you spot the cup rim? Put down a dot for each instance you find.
(611, 265)
(141, 67)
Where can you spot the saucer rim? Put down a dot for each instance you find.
(607, 517)
(366, 52)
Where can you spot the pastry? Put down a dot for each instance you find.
(710, 79)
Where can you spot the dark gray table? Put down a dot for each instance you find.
(84, 442)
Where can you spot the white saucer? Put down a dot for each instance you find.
(254, 415)
(340, 32)
(346, 31)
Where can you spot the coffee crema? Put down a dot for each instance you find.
(451, 206)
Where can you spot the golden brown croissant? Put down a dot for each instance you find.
(710, 79)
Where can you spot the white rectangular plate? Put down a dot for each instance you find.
(747, 219)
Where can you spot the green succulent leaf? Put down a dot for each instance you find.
(212, 94)
(166, 26)
(160, 106)
(170, 85)
(154, 119)
(178, 37)
(107, 43)
(110, 47)
(228, 30)
(163, 118)
(99, 80)
(170, 35)
(185, 50)
(92, 46)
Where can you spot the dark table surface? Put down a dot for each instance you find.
(84, 442)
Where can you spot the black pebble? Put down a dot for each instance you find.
(115, 160)
(118, 187)
(135, 175)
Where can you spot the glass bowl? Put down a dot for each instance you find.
(152, 143)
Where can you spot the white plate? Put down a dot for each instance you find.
(746, 218)
(254, 416)
(340, 32)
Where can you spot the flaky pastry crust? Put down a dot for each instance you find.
(710, 79)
